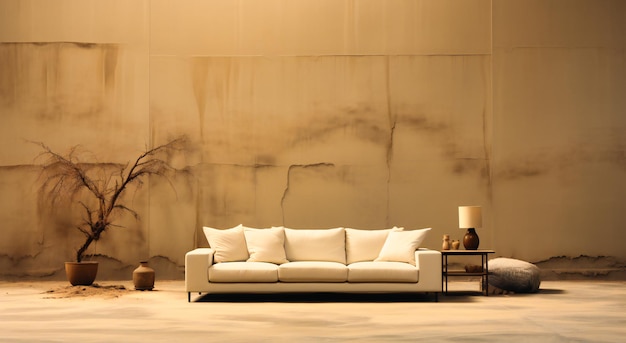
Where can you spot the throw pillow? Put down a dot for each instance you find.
(266, 245)
(365, 245)
(400, 246)
(316, 245)
(229, 244)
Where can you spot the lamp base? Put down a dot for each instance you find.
(470, 240)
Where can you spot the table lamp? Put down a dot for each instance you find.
(470, 217)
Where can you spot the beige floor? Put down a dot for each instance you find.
(563, 311)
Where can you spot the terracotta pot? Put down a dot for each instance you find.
(81, 273)
(143, 277)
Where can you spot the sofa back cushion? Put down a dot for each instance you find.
(315, 245)
(365, 245)
(266, 245)
(229, 244)
(400, 246)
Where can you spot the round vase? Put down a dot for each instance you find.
(455, 245)
(143, 277)
(470, 240)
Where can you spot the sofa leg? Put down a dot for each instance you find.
(189, 296)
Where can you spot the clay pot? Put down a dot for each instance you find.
(81, 273)
(455, 245)
(143, 277)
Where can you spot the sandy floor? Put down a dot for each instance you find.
(563, 311)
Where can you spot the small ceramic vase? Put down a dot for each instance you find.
(455, 244)
(143, 277)
(446, 242)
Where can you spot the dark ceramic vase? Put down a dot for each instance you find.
(470, 240)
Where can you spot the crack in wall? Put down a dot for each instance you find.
(582, 261)
(392, 128)
(389, 160)
(16, 260)
(288, 183)
(582, 267)
(486, 135)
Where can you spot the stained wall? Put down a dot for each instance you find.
(309, 113)
(560, 127)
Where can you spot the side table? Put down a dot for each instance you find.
(483, 273)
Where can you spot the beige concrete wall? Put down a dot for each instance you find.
(321, 113)
(559, 163)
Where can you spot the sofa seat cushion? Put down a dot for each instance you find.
(243, 272)
(313, 271)
(382, 272)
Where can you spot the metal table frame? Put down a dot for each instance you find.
(484, 273)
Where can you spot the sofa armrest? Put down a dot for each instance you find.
(197, 263)
(428, 262)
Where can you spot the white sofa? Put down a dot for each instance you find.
(277, 260)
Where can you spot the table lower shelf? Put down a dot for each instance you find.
(463, 274)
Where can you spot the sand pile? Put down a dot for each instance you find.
(104, 291)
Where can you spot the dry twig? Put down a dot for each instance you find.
(99, 187)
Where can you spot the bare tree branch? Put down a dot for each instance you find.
(67, 176)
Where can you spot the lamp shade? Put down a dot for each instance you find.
(470, 217)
